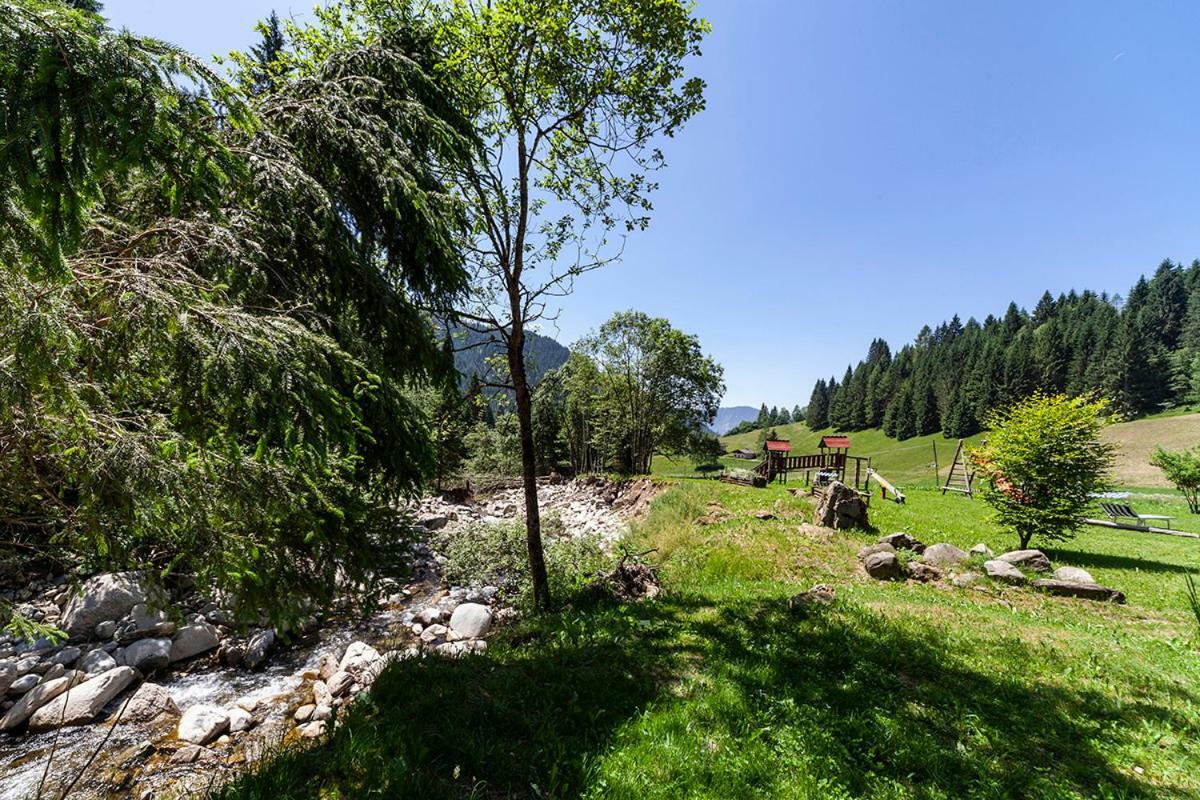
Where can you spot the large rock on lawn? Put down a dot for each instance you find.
(944, 555)
(871, 549)
(883, 566)
(925, 573)
(1028, 559)
(1073, 575)
(102, 598)
(84, 702)
(1004, 571)
(193, 640)
(201, 724)
(471, 620)
(902, 541)
(841, 507)
(1088, 591)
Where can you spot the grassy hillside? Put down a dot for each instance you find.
(719, 689)
(910, 463)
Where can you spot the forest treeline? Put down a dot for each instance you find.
(1141, 352)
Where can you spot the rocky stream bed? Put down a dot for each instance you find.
(141, 704)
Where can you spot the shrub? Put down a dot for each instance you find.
(1182, 468)
(495, 554)
(1043, 461)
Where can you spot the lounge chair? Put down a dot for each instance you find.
(1116, 511)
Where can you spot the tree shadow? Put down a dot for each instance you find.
(872, 707)
(1082, 558)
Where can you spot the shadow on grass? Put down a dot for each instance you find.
(844, 699)
(1081, 558)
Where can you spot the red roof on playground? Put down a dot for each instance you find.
(836, 442)
(780, 446)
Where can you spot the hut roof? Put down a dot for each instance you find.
(836, 442)
(779, 446)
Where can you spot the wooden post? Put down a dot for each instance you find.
(937, 478)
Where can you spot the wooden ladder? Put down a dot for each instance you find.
(960, 478)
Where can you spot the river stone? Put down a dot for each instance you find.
(200, 724)
(1073, 575)
(148, 655)
(871, 549)
(240, 720)
(313, 729)
(339, 682)
(1029, 559)
(944, 555)
(194, 754)
(257, 648)
(883, 566)
(55, 671)
(1087, 591)
(24, 683)
(192, 640)
(67, 656)
(106, 629)
(148, 622)
(471, 620)
(1004, 571)
(8, 674)
(304, 713)
(84, 702)
(321, 694)
(149, 702)
(97, 661)
(104, 597)
(321, 712)
(35, 698)
(359, 659)
(327, 667)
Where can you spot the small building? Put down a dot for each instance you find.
(749, 455)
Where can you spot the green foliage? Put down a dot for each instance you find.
(1193, 597)
(494, 450)
(209, 307)
(494, 554)
(1043, 461)
(1182, 468)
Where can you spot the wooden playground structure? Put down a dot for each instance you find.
(833, 462)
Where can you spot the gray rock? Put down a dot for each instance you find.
(434, 634)
(429, 616)
(339, 682)
(1087, 591)
(28, 664)
(982, 549)
(24, 683)
(944, 555)
(327, 667)
(104, 597)
(321, 694)
(321, 712)
(925, 573)
(967, 579)
(192, 640)
(471, 620)
(97, 661)
(106, 629)
(1004, 571)
(903, 541)
(148, 703)
(194, 754)
(35, 698)
(84, 702)
(435, 523)
(841, 507)
(257, 648)
(8, 674)
(304, 713)
(871, 549)
(359, 659)
(883, 566)
(55, 671)
(240, 720)
(148, 655)
(1028, 559)
(200, 724)
(313, 729)
(67, 656)
(1073, 575)
(145, 621)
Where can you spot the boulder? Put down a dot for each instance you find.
(339, 682)
(327, 667)
(146, 621)
(148, 655)
(105, 630)
(194, 754)
(1004, 571)
(97, 661)
(24, 683)
(313, 730)
(1087, 591)
(240, 720)
(1028, 559)
(84, 702)
(359, 659)
(902, 541)
(925, 573)
(820, 595)
(435, 523)
(883, 566)
(1073, 575)
(304, 713)
(35, 698)
(871, 549)
(192, 640)
(967, 579)
(981, 549)
(257, 648)
(148, 703)
(944, 555)
(471, 620)
(102, 598)
(321, 694)
(434, 634)
(840, 508)
(66, 657)
(8, 674)
(200, 724)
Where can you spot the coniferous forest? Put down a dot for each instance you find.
(1141, 352)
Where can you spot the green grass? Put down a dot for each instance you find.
(718, 689)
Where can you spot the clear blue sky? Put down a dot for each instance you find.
(864, 168)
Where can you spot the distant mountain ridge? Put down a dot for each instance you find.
(542, 354)
(729, 418)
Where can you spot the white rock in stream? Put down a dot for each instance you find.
(84, 702)
(35, 698)
(471, 620)
(148, 655)
(202, 723)
(192, 640)
(148, 703)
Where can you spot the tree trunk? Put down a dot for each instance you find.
(533, 522)
(1025, 538)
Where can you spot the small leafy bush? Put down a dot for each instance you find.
(495, 554)
(1182, 468)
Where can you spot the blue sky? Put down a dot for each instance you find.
(864, 168)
